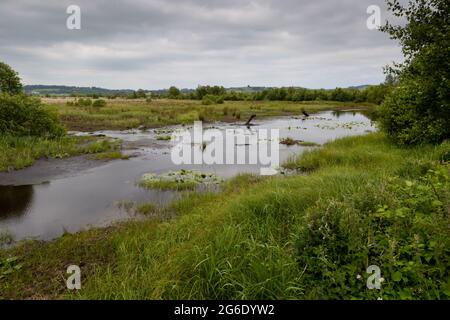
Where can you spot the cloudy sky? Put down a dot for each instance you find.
(153, 44)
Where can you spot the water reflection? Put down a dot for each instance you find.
(15, 201)
(90, 197)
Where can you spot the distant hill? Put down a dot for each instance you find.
(68, 90)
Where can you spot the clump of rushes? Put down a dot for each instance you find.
(290, 142)
(179, 180)
(112, 155)
(163, 138)
(146, 208)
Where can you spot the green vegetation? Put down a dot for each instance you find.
(418, 110)
(24, 116)
(9, 80)
(28, 131)
(365, 202)
(99, 103)
(163, 138)
(147, 209)
(210, 99)
(208, 94)
(291, 142)
(356, 202)
(179, 180)
(20, 152)
(122, 114)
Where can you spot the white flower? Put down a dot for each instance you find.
(358, 276)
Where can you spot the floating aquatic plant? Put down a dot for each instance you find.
(179, 180)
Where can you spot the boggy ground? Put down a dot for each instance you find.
(121, 114)
(363, 201)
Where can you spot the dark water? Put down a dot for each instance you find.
(91, 196)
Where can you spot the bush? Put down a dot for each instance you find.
(208, 100)
(21, 115)
(84, 102)
(410, 115)
(99, 103)
(401, 225)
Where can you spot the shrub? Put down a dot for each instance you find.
(219, 99)
(409, 116)
(99, 103)
(400, 226)
(174, 92)
(84, 102)
(208, 100)
(21, 115)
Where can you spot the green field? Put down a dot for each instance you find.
(121, 114)
(363, 201)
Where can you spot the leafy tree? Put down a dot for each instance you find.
(140, 94)
(9, 80)
(418, 110)
(174, 92)
(202, 91)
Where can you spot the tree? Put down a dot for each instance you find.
(174, 92)
(9, 80)
(418, 110)
(140, 94)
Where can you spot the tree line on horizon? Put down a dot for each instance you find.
(372, 94)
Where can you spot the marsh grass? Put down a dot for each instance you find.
(365, 201)
(110, 155)
(125, 114)
(179, 180)
(292, 142)
(164, 138)
(20, 152)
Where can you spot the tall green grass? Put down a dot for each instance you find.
(126, 114)
(20, 152)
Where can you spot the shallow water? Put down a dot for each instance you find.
(91, 196)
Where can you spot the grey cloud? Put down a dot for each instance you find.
(157, 43)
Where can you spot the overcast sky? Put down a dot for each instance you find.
(153, 44)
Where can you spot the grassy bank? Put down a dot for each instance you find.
(364, 202)
(20, 152)
(124, 114)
